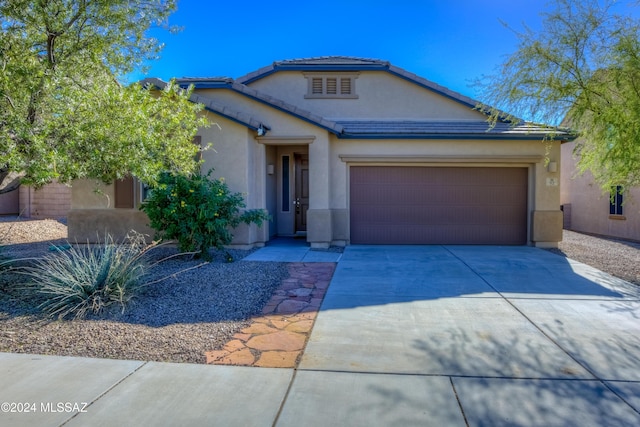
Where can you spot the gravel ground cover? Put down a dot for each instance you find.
(619, 258)
(177, 320)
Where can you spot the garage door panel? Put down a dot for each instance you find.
(438, 205)
(439, 234)
(409, 216)
(426, 195)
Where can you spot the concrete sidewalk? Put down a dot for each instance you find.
(419, 335)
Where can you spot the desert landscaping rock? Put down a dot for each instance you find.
(211, 313)
(619, 258)
(176, 320)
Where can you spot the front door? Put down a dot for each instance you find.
(301, 200)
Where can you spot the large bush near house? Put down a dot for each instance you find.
(197, 211)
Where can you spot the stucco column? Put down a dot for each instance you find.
(546, 217)
(251, 235)
(319, 231)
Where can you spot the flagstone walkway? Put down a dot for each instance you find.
(277, 338)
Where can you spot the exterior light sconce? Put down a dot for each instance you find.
(552, 167)
(271, 169)
(262, 130)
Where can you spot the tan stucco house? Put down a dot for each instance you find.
(588, 209)
(347, 150)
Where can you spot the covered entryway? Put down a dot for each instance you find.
(438, 205)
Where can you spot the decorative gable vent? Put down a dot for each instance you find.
(316, 86)
(331, 85)
(345, 86)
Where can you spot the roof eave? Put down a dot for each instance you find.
(230, 85)
(161, 84)
(289, 112)
(464, 136)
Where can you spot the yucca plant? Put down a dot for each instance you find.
(89, 278)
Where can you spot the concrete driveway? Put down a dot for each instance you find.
(433, 335)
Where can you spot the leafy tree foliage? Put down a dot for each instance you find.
(63, 113)
(197, 211)
(581, 69)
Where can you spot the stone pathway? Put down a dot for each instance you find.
(277, 338)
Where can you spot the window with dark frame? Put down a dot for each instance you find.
(615, 201)
(285, 184)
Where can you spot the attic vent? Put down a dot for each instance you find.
(316, 86)
(331, 85)
(345, 86)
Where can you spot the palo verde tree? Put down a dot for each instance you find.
(581, 69)
(64, 113)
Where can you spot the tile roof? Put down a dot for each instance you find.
(211, 105)
(467, 129)
(459, 129)
(325, 63)
(208, 79)
(333, 60)
(227, 83)
(344, 63)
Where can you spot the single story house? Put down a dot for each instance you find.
(348, 150)
(588, 210)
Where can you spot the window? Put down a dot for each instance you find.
(197, 140)
(615, 201)
(124, 193)
(331, 85)
(285, 183)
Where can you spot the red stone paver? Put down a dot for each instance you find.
(277, 359)
(281, 340)
(277, 337)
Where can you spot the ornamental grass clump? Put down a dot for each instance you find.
(88, 278)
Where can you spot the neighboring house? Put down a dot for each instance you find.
(358, 151)
(587, 209)
(51, 201)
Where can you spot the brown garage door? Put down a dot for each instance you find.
(438, 205)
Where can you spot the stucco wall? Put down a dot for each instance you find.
(380, 95)
(92, 194)
(590, 206)
(10, 203)
(228, 152)
(452, 152)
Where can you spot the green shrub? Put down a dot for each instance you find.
(87, 278)
(197, 211)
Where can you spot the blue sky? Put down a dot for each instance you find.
(451, 42)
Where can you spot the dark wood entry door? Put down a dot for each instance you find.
(301, 200)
